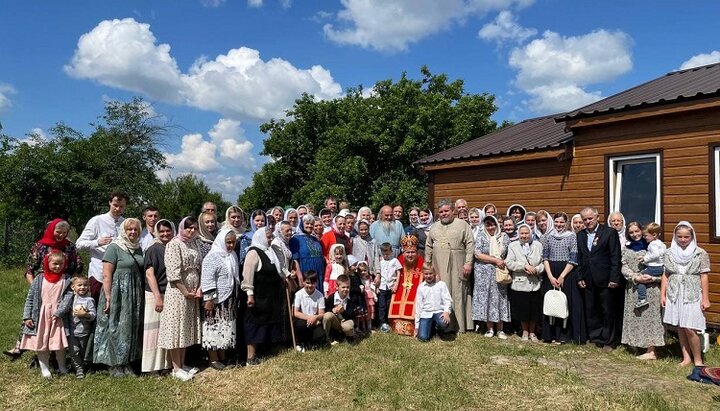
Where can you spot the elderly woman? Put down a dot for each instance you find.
(560, 260)
(118, 329)
(264, 288)
(525, 262)
(220, 274)
(306, 251)
(509, 228)
(207, 225)
(291, 215)
(154, 358)
(421, 230)
(642, 327)
(54, 238)
(577, 223)
(180, 320)
(617, 221)
(490, 299)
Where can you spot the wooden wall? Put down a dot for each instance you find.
(682, 139)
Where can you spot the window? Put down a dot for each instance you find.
(634, 187)
(716, 182)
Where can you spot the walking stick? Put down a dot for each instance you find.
(290, 316)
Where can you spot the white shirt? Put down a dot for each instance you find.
(388, 268)
(146, 239)
(431, 299)
(99, 226)
(309, 304)
(337, 300)
(655, 253)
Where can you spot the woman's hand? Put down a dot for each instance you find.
(251, 301)
(159, 304)
(209, 307)
(530, 270)
(644, 279)
(198, 293)
(499, 263)
(705, 304)
(106, 309)
(190, 295)
(29, 323)
(662, 301)
(554, 282)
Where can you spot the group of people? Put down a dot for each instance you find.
(257, 283)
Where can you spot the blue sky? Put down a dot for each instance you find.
(218, 69)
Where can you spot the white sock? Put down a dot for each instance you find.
(44, 361)
(60, 357)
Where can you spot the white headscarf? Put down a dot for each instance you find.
(229, 257)
(123, 241)
(299, 222)
(558, 235)
(621, 232)
(679, 255)
(157, 226)
(521, 209)
(226, 224)
(525, 247)
(425, 226)
(259, 241)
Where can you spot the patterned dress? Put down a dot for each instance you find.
(180, 318)
(642, 327)
(307, 251)
(490, 299)
(118, 337)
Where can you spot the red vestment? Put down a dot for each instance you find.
(402, 305)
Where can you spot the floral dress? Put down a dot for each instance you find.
(490, 299)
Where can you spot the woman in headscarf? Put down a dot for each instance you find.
(490, 299)
(318, 228)
(517, 212)
(258, 219)
(263, 284)
(54, 238)
(180, 320)
(421, 230)
(118, 338)
(235, 220)
(302, 210)
(365, 248)
(291, 215)
(154, 358)
(616, 220)
(577, 223)
(508, 227)
(277, 213)
(525, 262)
(207, 225)
(684, 291)
(642, 327)
(543, 224)
(220, 274)
(489, 210)
(306, 251)
(560, 259)
(413, 219)
(475, 220)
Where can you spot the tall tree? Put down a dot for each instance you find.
(363, 148)
(183, 196)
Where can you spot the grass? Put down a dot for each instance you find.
(381, 372)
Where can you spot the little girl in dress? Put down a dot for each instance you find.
(47, 307)
(369, 291)
(335, 269)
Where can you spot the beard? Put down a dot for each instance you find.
(388, 227)
(410, 262)
(447, 220)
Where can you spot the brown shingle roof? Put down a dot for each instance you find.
(532, 134)
(683, 85)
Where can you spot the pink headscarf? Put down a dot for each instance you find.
(181, 232)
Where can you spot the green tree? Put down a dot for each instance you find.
(183, 196)
(363, 149)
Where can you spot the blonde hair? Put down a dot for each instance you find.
(653, 228)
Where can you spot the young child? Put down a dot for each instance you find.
(45, 315)
(337, 268)
(357, 297)
(83, 314)
(368, 288)
(653, 260)
(387, 283)
(339, 311)
(432, 307)
(308, 312)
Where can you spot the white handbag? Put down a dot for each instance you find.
(555, 306)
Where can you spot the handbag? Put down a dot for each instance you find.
(502, 275)
(555, 306)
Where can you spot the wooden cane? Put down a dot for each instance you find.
(290, 316)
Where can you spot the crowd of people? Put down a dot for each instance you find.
(157, 298)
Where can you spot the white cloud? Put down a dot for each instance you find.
(124, 54)
(197, 155)
(505, 28)
(701, 60)
(6, 91)
(34, 136)
(212, 3)
(554, 69)
(255, 3)
(391, 26)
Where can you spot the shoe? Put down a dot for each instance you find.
(217, 365)
(128, 371)
(525, 338)
(299, 348)
(190, 370)
(46, 376)
(116, 371)
(79, 373)
(385, 328)
(533, 338)
(14, 354)
(501, 335)
(607, 348)
(641, 303)
(334, 342)
(181, 375)
(490, 333)
(253, 361)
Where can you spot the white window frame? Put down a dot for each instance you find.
(716, 183)
(615, 174)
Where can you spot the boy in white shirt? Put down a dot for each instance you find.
(432, 307)
(387, 283)
(653, 260)
(308, 312)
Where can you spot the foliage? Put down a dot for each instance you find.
(363, 149)
(183, 196)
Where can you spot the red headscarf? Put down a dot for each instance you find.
(48, 237)
(49, 275)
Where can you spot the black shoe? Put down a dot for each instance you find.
(253, 361)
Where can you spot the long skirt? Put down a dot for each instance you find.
(575, 330)
(218, 330)
(153, 358)
(526, 306)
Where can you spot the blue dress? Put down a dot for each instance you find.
(307, 251)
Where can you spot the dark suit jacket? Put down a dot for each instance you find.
(601, 265)
(348, 314)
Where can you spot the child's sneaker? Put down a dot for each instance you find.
(501, 335)
(385, 328)
(79, 373)
(299, 348)
(641, 303)
(490, 333)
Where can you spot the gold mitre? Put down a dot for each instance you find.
(409, 242)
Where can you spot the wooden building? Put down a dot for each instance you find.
(652, 152)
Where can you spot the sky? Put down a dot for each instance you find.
(218, 69)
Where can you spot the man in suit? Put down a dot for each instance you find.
(599, 274)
